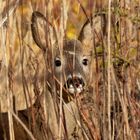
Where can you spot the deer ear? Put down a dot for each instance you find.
(96, 28)
(40, 28)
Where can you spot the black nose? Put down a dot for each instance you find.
(75, 82)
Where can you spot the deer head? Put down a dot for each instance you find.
(71, 65)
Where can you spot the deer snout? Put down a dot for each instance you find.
(75, 84)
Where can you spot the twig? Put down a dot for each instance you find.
(109, 68)
(11, 10)
(23, 125)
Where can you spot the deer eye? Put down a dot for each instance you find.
(57, 63)
(85, 61)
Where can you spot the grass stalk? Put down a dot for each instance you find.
(109, 67)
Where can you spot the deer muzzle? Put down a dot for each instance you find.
(75, 85)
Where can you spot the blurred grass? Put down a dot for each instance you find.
(21, 62)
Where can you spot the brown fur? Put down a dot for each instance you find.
(45, 126)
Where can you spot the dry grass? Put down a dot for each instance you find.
(116, 88)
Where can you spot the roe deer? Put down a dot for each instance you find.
(69, 65)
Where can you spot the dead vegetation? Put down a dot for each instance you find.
(110, 108)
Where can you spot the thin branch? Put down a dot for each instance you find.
(109, 68)
(10, 12)
(23, 125)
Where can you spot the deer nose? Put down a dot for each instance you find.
(75, 81)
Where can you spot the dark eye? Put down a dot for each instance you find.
(85, 62)
(57, 63)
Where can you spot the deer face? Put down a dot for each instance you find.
(73, 67)
(72, 64)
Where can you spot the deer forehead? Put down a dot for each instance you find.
(72, 48)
